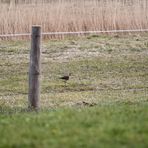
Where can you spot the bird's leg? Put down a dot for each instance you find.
(65, 83)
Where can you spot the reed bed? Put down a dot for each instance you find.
(72, 15)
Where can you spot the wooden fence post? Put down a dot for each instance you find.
(34, 69)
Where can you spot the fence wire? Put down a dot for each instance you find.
(75, 33)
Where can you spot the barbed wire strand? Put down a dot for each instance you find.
(75, 33)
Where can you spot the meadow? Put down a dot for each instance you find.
(105, 101)
(104, 104)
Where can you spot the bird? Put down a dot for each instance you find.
(65, 78)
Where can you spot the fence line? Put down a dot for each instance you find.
(75, 33)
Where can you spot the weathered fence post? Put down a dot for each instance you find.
(34, 69)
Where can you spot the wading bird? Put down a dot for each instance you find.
(65, 78)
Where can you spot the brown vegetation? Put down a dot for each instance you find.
(73, 15)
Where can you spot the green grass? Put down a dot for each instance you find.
(112, 126)
(103, 105)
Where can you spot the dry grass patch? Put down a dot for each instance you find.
(67, 15)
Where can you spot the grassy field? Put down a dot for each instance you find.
(112, 126)
(104, 104)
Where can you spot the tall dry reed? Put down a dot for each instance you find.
(73, 15)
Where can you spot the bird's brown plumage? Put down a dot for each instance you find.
(65, 77)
